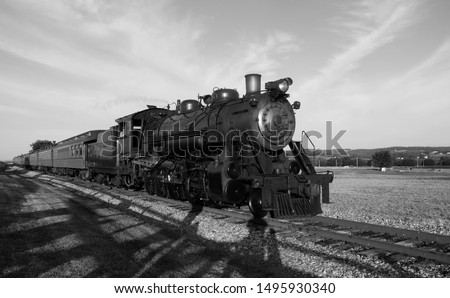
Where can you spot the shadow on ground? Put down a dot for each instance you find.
(71, 235)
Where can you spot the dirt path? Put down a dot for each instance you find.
(50, 232)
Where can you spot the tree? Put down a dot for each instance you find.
(41, 145)
(428, 162)
(347, 161)
(382, 159)
(409, 162)
(332, 162)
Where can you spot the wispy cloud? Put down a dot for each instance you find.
(436, 64)
(409, 109)
(99, 59)
(423, 90)
(338, 93)
(375, 24)
(265, 55)
(111, 49)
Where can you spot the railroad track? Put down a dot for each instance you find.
(400, 241)
(383, 238)
(332, 230)
(386, 239)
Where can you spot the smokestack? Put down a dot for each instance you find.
(252, 83)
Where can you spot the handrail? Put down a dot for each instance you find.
(309, 141)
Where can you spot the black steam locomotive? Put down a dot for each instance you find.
(221, 150)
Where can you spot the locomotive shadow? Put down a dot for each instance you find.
(192, 255)
(258, 255)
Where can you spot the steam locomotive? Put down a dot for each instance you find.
(220, 149)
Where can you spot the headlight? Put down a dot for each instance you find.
(281, 85)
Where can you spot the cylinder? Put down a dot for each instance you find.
(252, 83)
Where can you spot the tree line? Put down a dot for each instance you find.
(383, 159)
(39, 145)
(380, 159)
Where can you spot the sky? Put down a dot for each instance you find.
(378, 70)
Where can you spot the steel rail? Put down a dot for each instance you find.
(367, 242)
(383, 245)
(417, 235)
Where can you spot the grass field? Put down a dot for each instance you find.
(409, 198)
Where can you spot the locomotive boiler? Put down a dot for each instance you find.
(227, 150)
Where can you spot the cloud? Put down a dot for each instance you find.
(111, 50)
(410, 109)
(70, 66)
(266, 54)
(433, 66)
(375, 24)
(105, 59)
(105, 49)
(341, 94)
(423, 90)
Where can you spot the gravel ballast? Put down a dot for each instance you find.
(249, 249)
